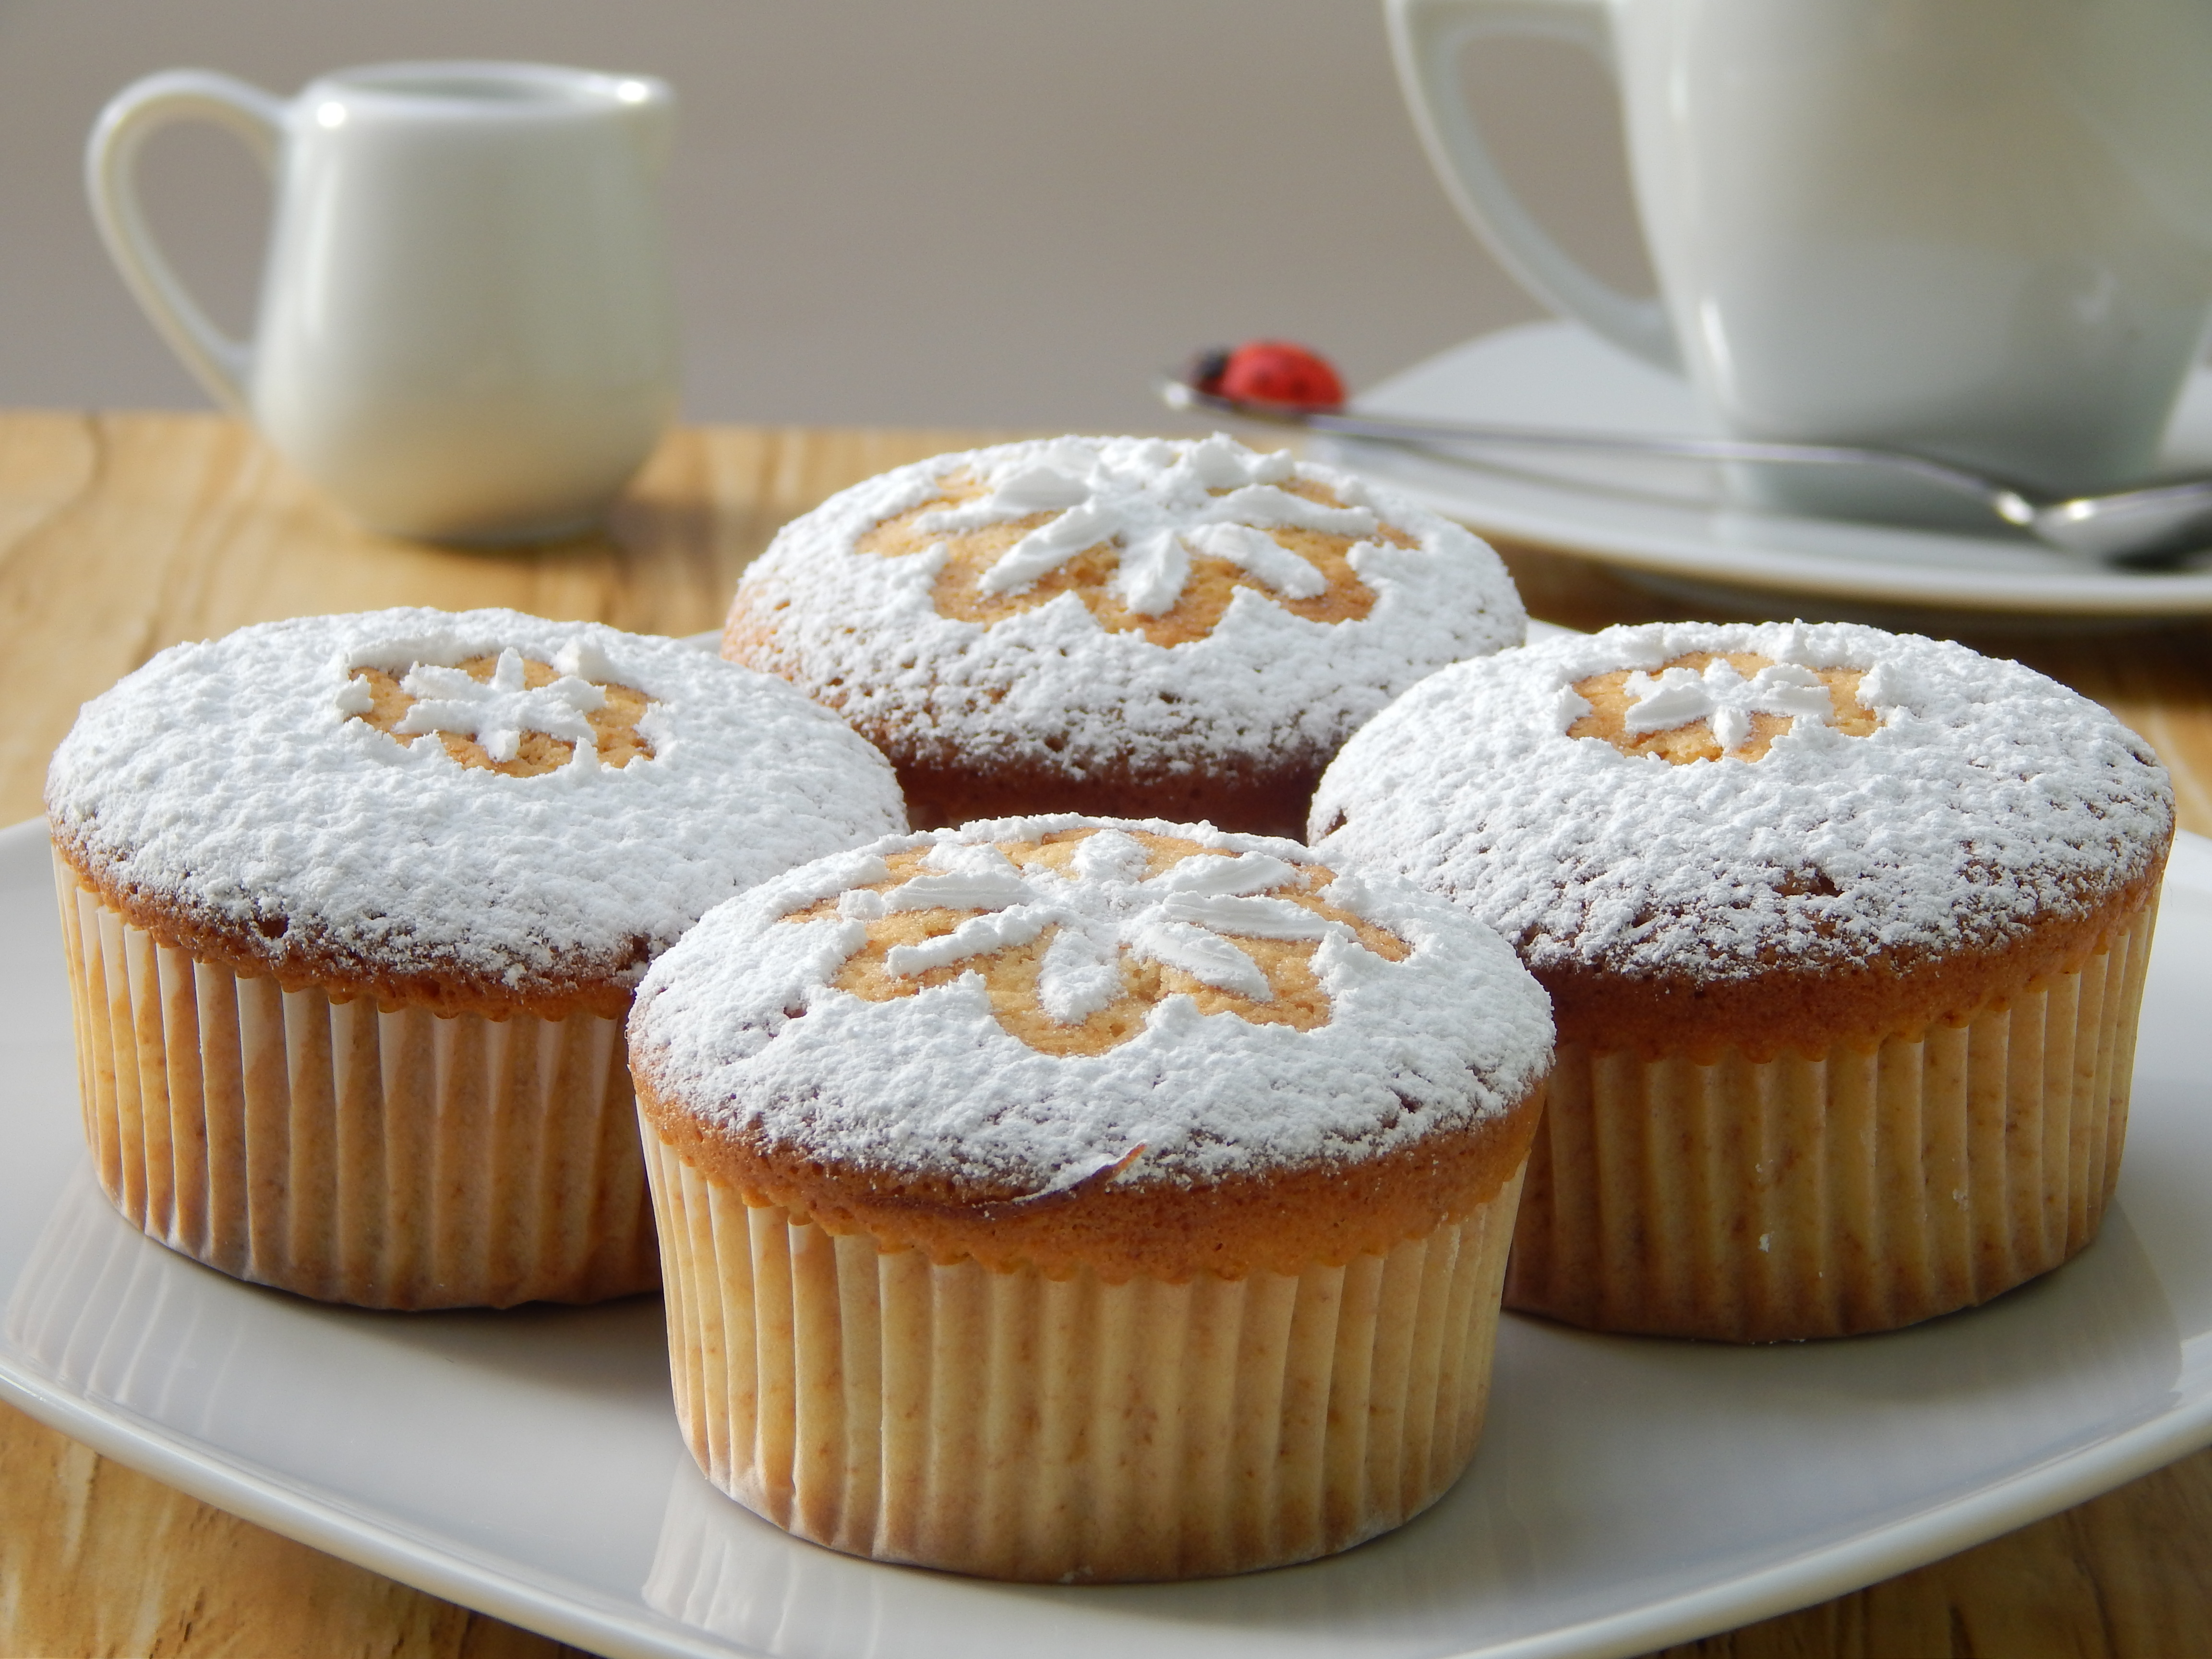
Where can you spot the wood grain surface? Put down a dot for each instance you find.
(120, 534)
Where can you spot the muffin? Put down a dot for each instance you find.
(1846, 934)
(1068, 1200)
(353, 907)
(1116, 626)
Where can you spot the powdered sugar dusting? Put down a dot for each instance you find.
(742, 1024)
(229, 779)
(975, 937)
(1047, 687)
(1989, 796)
(1109, 905)
(495, 712)
(1723, 697)
(1266, 558)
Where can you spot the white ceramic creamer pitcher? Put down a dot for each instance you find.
(466, 329)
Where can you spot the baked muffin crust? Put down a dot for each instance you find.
(478, 811)
(1135, 1047)
(1116, 626)
(1890, 831)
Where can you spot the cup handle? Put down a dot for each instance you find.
(1426, 37)
(223, 365)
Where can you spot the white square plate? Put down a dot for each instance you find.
(1628, 1493)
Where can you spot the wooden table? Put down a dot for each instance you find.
(121, 534)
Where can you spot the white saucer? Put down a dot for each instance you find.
(1628, 1493)
(1674, 521)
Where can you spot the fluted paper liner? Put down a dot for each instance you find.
(386, 1159)
(1016, 1426)
(1860, 1191)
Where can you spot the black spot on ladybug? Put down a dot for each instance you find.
(1206, 369)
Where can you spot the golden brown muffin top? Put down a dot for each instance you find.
(523, 749)
(988, 1019)
(476, 811)
(1760, 835)
(1313, 579)
(1275, 984)
(1723, 703)
(1123, 607)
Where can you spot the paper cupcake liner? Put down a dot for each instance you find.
(1860, 1191)
(1016, 1426)
(389, 1160)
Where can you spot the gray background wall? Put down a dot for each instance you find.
(963, 211)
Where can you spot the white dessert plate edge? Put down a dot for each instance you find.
(325, 1522)
(1660, 520)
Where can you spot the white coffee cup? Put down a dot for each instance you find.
(1978, 229)
(466, 328)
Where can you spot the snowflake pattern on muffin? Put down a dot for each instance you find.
(1078, 935)
(507, 713)
(1704, 705)
(1154, 540)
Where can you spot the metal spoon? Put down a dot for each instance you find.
(2148, 525)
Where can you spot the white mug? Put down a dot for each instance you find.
(466, 328)
(1977, 229)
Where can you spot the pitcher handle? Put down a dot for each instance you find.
(1426, 37)
(223, 365)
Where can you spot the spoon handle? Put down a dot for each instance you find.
(1998, 497)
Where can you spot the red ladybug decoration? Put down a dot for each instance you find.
(1278, 372)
